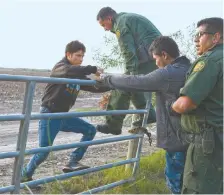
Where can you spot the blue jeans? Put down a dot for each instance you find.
(174, 170)
(49, 128)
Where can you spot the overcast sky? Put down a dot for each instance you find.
(34, 32)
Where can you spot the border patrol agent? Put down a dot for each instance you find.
(201, 105)
(135, 33)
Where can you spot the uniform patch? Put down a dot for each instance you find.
(199, 66)
(118, 34)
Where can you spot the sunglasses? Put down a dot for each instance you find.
(200, 34)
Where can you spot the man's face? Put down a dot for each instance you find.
(106, 23)
(204, 39)
(75, 58)
(161, 60)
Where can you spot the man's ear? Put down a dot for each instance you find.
(217, 38)
(165, 55)
(68, 55)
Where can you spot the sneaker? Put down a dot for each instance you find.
(105, 128)
(74, 166)
(24, 177)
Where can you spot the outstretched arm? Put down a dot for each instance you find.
(154, 81)
(70, 71)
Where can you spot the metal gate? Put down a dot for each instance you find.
(25, 118)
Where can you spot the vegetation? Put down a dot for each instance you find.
(185, 41)
(87, 109)
(150, 179)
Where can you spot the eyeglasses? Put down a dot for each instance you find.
(200, 34)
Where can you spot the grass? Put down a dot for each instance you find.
(150, 179)
(88, 109)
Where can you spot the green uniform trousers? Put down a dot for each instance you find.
(203, 174)
(120, 100)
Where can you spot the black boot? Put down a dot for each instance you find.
(107, 129)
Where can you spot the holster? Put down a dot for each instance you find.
(206, 139)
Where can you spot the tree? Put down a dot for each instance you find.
(185, 41)
(112, 58)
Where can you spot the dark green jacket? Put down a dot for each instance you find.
(135, 34)
(204, 85)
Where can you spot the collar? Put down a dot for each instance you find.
(216, 47)
(179, 59)
(114, 22)
(65, 60)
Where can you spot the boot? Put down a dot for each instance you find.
(74, 166)
(107, 129)
(151, 119)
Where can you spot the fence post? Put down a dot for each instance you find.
(22, 136)
(134, 144)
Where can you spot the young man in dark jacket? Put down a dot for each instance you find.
(60, 98)
(166, 82)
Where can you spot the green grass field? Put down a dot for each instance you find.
(150, 179)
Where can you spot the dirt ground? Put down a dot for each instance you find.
(11, 101)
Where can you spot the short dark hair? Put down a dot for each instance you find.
(164, 44)
(105, 12)
(75, 46)
(212, 24)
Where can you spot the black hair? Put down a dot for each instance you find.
(212, 24)
(75, 46)
(164, 44)
(105, 12)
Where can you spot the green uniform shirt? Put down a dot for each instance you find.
(135, 34)
(204, 85)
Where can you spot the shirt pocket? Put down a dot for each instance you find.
(142, 54)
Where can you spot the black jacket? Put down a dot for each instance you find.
(61, 97)
(166, 82)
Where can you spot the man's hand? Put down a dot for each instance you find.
(170, 110)
(99, 72)
(183, 104)
(104, 100)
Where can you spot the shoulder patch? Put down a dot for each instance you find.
(118, 34)
(199, 66)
